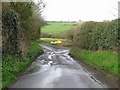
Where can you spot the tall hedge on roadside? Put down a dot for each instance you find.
(10, 29)
(21, 23)
(97, 35)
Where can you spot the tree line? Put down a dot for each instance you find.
(21, 23)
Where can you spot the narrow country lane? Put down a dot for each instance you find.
(56, 69)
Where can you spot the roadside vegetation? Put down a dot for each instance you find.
(21, 25)
(13, 66)
(100, 60)
(96, 43)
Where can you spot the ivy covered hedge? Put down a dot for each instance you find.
(21, 23)
(10, 33)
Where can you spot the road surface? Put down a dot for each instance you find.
(56, 69)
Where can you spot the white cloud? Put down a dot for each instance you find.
(85, 10)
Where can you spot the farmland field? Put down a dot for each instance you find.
(56, 27)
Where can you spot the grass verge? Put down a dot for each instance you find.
(101, 60)
(13, 66)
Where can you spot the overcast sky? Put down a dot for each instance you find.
(85, 10)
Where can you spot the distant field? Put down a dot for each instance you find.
(61, 23)
(56, 27)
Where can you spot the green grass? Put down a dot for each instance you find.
(57, 27)
(103, 60)
(12, 65)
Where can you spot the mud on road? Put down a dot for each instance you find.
(56, 69)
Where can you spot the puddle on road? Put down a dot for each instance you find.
(39, 67)
(97, 81)
(34, 70)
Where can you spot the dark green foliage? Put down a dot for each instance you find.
(26, 12)
(10, 27)
(24, 9)
(97, 36)
(17, 16)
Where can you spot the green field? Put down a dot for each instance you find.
(56, 27)
(61, 23)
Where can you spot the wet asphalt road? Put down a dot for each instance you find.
(56, 69)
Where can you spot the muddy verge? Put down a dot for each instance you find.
(109, 80)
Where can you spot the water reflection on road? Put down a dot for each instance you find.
(56, 69)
